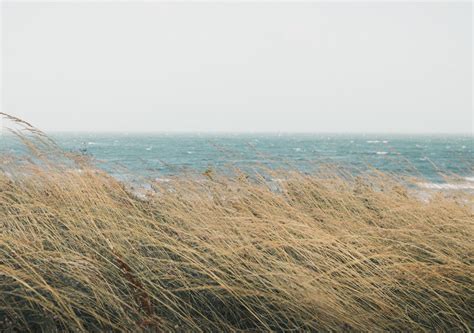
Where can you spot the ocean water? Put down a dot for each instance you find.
(158, 155)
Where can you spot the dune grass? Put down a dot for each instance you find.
(79, 251)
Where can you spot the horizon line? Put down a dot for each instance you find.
(250, 132)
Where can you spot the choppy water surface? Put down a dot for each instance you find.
(158, 155)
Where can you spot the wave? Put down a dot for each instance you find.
(162, 180)
(382, 153)
(447, 186)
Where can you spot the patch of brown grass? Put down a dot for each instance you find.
(79, 251)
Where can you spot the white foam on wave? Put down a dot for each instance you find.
(469, 179)
(447, 186)
(162, 180)
(382, 153)
(90, 143)
(373, 141)
(148, 148)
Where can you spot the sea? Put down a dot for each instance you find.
(431, 158)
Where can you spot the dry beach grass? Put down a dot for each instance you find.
(79, 251)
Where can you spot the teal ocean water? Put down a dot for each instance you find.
(161, 155)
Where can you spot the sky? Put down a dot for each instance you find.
(239, 66)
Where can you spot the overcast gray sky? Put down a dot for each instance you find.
(235, 66)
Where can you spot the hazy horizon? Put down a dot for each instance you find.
(309, 68)
(271, 133)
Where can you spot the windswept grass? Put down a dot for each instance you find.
(80, 252)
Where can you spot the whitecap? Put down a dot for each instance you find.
(382, 153)
(90, 143)
(373, 141)
(469, 179)
(385, 141)
(140, 195)
(148, 148)
(297, 149)
(447, 186)
(279, 180)
(190, 152)
(162, 180)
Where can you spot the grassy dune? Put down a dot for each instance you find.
(79, 251)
